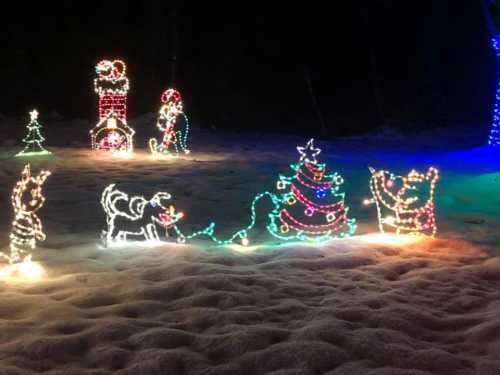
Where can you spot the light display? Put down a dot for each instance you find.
(310, 206)
(135, 218)
(494, 137)
(27, 199)
(112, 132)
(34, 138)
(405, 204)
(170, 124)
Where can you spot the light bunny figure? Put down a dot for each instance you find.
(136, 217)
(27, 199)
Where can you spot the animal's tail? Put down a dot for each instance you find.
(108, 200)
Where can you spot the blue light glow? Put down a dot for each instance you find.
(494, 137)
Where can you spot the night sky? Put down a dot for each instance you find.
(350, 66)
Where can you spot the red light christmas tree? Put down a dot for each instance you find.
(112, 132)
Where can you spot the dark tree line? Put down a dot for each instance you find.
(362, 66)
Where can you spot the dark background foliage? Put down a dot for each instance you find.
(348, 66)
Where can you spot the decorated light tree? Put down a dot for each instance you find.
(310, 203)
(309, 206)
(33, 138)
(174, 125)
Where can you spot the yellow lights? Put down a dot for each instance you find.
(111, 123)
(112, 134)
(26, 271)
(390, 239)
(27, 199)
(245, 241)
(405, 204)
(284, 228)
(367, 202)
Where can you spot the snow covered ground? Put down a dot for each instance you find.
(366, 305)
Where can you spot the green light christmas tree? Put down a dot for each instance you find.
(34, 138)
(310, 206)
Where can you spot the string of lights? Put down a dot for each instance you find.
(318, 221)
(399, 203)
(34, 139)
(494, 136)
(112, 132)
(26, 199)
(167, 123)
(132, 218)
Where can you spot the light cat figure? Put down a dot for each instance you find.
(27, 199)
(399, 208)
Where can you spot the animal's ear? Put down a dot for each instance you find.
(432, 174)
(26, 173)
(371, 169)
(42, 176)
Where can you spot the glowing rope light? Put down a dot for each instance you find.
(398, 205)
(167, 123)
(112, 132)
(129, 217)
(34, 138)
(494, 137)
(27, 199)
(305, 221)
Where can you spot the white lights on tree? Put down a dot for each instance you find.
(34, 138)
(308, 153)
(112, 132)
(173, 123)
(136, 218)
(405, 204)
(27, 199)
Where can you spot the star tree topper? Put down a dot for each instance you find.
(34, 115)
(309, 153)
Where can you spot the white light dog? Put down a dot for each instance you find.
(134, 218)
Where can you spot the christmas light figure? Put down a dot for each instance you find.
(169, 122)
(112, 132)
(494, 137)
(27, 199)
(405, 204)
(34, 138)
(135, 218)
(309, 206)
